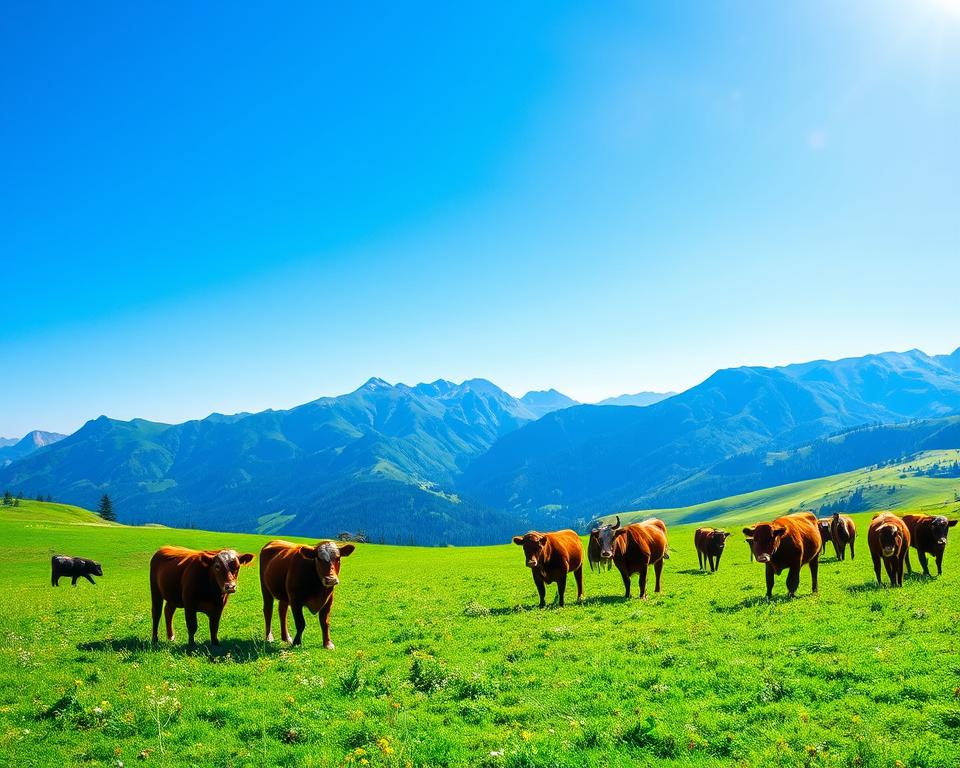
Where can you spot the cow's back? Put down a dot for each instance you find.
(285, 573)
(802, 542)
(568, 545)
(175, 572)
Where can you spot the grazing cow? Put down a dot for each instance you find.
(889, 540)
(842, 532)
(789, 542)
(195, 581)
(550, 557)
(709, 543)
(298, 576)
(74, 567)
(824, 524)
(928, 535)
(633, 549)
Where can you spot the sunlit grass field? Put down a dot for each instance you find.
(441, 659)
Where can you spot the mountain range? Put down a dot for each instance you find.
(445, 463)
(12, 449)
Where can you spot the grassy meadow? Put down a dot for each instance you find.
(442, 659)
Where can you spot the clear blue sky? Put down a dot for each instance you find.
(209, 208)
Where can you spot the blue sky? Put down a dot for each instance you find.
(224, 209)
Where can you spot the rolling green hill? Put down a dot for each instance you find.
(911, 485)
(442, 660)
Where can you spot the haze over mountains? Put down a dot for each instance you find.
(468, 463)
(13, 448)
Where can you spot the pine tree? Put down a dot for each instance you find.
(7, 499)
(105, 509)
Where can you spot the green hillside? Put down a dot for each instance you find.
(441, 660)
(44, 513)
(902, 486)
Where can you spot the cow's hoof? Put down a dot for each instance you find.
(171, 638)
(329, 645)
(270, 638)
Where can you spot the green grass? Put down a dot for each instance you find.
(893, 487)
(440, 660)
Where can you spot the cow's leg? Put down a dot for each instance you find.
(299, 622)
(54, 578)
(793, 580)
(284, 634)
(643, 579)
(836, 549)
(561, 588)
(156, 605)
(168, 612)
(891, 565)
(658, 569)
(718, 561)
(190, 614)
(814, 573)
(541, 590)
(700, 559)
(214, 617)
(900, 571)
(578, 577)
(625, 575)
(940, 563)
(325, 623)
(268, 615)
(851, 549)
(876, 569)
(713, 564)
(73, 580)
(87, 577)
(922, 557)
(906, 559)
(770, 576)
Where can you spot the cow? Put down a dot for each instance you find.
(550, 557)
(633, 549)
(709, 543)
(824, 523)
(75, 568)
(198, 582)
(889, 540)
(842, 532)
(928, 535)
(594, 555)
(298, 576)
(789, 542)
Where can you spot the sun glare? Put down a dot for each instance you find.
(950, 6)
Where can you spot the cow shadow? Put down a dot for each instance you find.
(758, 601)
(867, 586)
(693, 572)
(133, 647)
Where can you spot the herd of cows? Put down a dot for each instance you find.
(299, 576)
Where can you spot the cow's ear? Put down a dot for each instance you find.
(246, 558)
(620, 532)
(346, 549)
(779, 531)
(951, 523)
(309, 552)
(748, 532)
(207, 557)
(724, 533)
(518, 540)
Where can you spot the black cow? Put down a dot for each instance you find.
(74, 567)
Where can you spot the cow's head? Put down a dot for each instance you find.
(96, 568)
(716, 542)
(939, 528)
(534, 548)
(225, 567)
(891, 538)
(326, 558)
(604, 537)
(764, 540)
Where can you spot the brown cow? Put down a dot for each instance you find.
(889, 540)
(709, 543)
(195, 581)
(842, 532)
(824, 524)
(550, 557)
(928, 535)
(633, 549)
(789, 542)
(298, 576)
